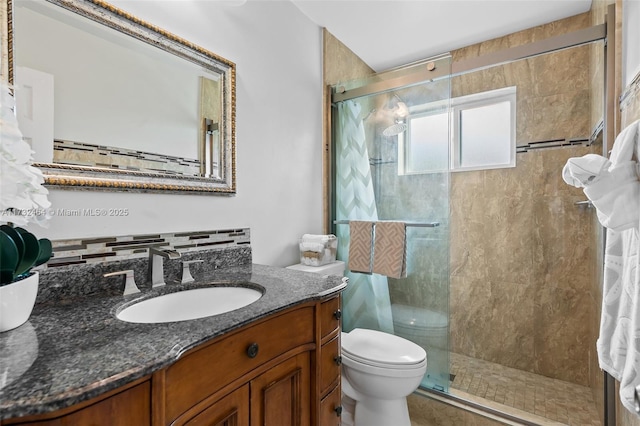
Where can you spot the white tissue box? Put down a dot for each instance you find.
(318, 250)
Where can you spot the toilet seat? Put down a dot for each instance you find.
(382, 350)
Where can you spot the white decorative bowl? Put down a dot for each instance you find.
(16, 302)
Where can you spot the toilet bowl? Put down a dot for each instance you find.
(379, 370)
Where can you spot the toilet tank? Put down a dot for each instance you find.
(334, 268)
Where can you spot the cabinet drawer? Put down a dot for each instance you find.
(331, 409)
(330, 315)
(201, 373)
(329, 364)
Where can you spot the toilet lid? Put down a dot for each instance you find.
(379, 348)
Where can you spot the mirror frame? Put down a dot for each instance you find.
(90, 178)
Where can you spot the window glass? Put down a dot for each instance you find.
(485, 135)
(428, 148)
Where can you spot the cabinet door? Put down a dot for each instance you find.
(232, 410)
(282, 395)
(129, 407)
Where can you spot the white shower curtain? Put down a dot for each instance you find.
(366, 301)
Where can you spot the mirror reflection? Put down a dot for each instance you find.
(90, 94)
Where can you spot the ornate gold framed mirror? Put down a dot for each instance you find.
(108, 101)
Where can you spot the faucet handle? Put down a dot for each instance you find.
(130, 286)
(186, 273)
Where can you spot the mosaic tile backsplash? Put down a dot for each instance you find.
(78, 266)
(110, 249)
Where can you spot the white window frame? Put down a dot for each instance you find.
(455, 107)
(507, 94)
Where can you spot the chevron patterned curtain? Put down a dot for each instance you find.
(366, 301)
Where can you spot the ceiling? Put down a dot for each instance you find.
(390, 33)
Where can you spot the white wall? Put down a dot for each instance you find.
(630, 40)
(277, 51)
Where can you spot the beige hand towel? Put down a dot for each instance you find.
(360, 246)
(389, 252)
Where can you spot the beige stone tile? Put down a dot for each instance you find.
(548, 163)
(479, 81)
(467, 221)
(564, 241)
(509, 238)
(511, 340)
(520, 74)
(558, 402)
(513, 182)
(570, 73)
(560, 344)
(554, 116)
(469, 314)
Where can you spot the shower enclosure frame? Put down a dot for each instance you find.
(602, 32)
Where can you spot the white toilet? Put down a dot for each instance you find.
(379, 371)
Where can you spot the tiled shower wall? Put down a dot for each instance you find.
(521, 268)
(521, 251)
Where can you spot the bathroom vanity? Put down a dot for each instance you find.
(276, 361)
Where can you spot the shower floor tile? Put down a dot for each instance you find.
(555, 400)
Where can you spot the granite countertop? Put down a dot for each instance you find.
(73, 350)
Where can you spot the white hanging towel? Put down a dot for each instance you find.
(611, 185)
(585, 170)
(615, 193)
(619, 341)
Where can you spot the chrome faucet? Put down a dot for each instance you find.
(156, 270)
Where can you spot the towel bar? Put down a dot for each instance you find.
(586, 203)
(415, 224)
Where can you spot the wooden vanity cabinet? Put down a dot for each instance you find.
(281, 370)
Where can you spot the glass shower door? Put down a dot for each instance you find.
(391, 162)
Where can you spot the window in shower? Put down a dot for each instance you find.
(484, 135)
(424, 147)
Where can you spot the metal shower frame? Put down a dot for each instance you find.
(425, 71)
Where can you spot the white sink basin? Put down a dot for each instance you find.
(189, 304)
